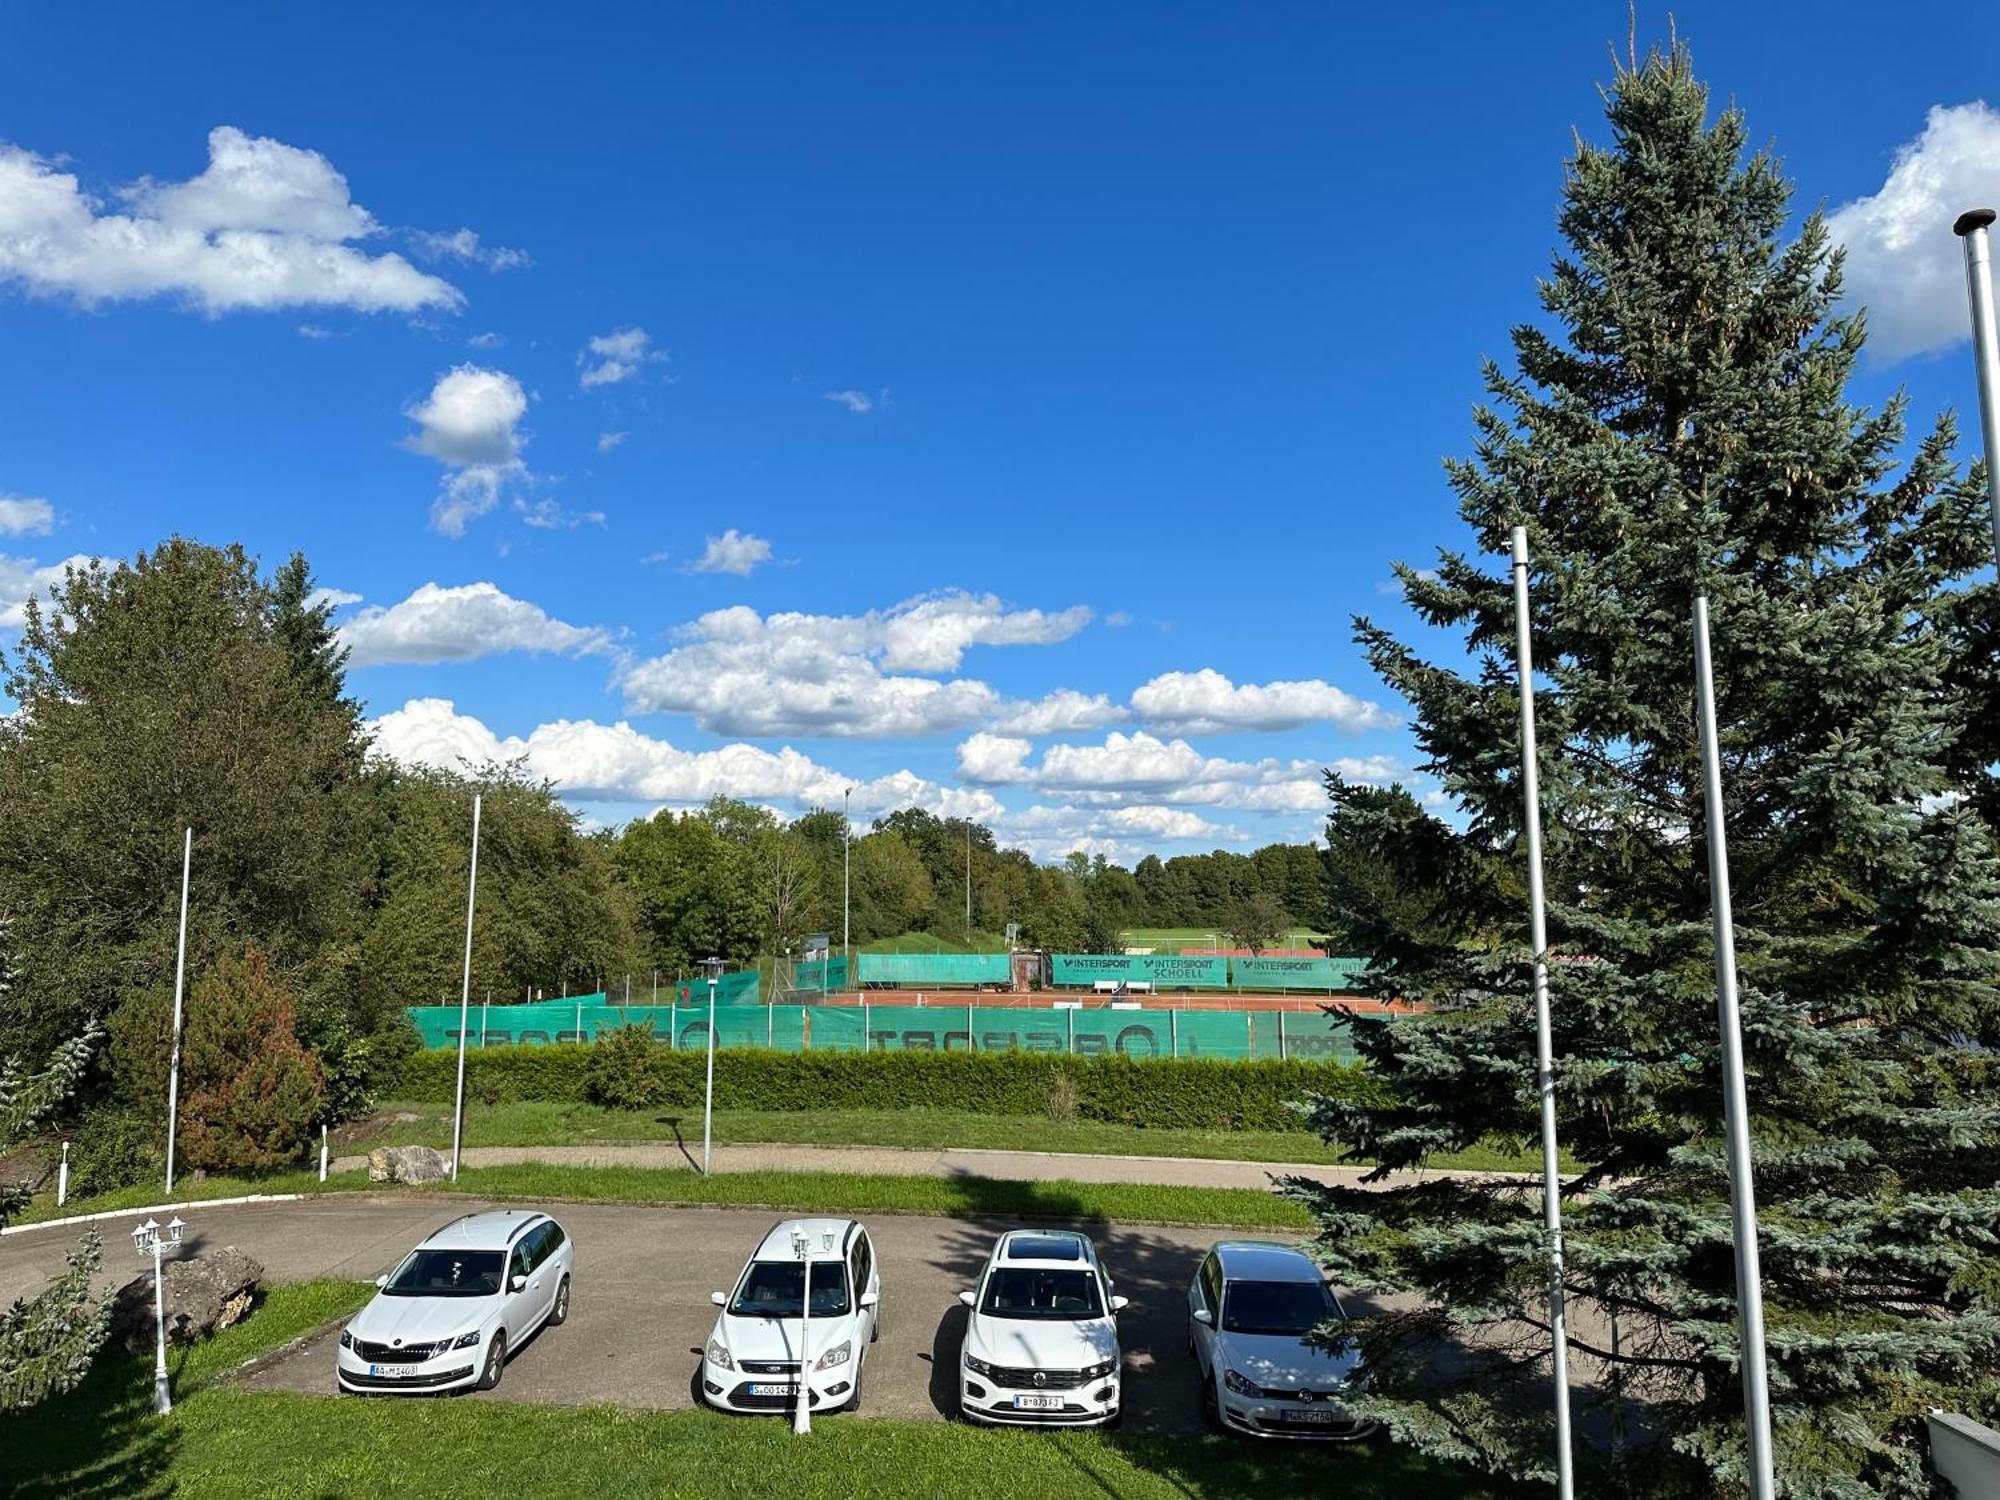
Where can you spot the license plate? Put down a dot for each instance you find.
(774, 1390)
(1319, 1416)
(1038, 1403)
(390, 1372)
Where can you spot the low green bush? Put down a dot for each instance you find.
(619, 1072)
(1163, 1093)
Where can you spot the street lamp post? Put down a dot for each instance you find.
(802, 1407)
(1972, 228)
(148, 1239)
(180, 974)
(465, 993)
(713, 967)
(846, 846)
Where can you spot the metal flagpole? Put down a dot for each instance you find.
(1735, 1098)
(1972, 228)
(1545, 1067)
(846, 845)
(465, 992)
(180, 975)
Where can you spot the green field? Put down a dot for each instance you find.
(223, 1441)
(1169, 939)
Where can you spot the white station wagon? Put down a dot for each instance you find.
(458, 1305)
(762, 1349)
(1041, 1345)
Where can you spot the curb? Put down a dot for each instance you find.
(155, 1208)
(258, 1363)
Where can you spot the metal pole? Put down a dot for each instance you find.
(180, 975)
(968, 880)
(1282, 1055)
(163, 1399)
(1972, 228)
(864, 1026)
(62, 1177)
(708, 1095)
(322, 1153)
(483, 1010)
(771, 1025)
(1735, 1099)
(1069, 1031)
(802, 1409)
(1545, 1067)
(971, 1038)
(846, 860)
(465, 992)
(1174, 1033)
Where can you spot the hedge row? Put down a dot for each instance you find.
(1199, 1093)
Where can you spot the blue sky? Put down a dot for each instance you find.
(999, 408)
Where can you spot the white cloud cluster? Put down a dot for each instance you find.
(859, 402)
(465, 244)
(606, 441)
(740, 672)
(265, 225)
(1065, 711)
(1206, 702)
(616, 356)
(22, 579)
(438, 624)
(26, 515)
(1903, 262)
(733, 552)
(470, 423)
(550, 515)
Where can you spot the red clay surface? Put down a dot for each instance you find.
(1157, 1000)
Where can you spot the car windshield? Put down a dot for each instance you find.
(1295, 1308)
(447, 1273)
(1025, 1292)
(772, 1288)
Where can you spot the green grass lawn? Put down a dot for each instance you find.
(538, 1123)
(223, 1441)
(803, 1192)
(1174, 937)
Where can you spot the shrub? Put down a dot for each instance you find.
(252, 1091)
(114, 1147)
(1160, 1093)
(620, 1073)
(1062, 1099)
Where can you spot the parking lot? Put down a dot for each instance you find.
(640, 1305)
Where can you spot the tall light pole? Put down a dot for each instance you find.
(1972, 228)
(1545, 1067)
(968, 879)
(180, 977)
(714, 969)
(1735, 1097)
(846, 846)
(465, 992)
(147, 1239)
(802, 1407)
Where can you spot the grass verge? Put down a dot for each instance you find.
(223, 1441)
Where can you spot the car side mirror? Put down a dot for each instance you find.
(1119, 1304)
(968, 1298)
(518, 1282)
(871, 1299)
(1203, 1315)
(720, 1299)
(381, 1281)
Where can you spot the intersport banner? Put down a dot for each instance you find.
(1159, 970)
(1331, 974)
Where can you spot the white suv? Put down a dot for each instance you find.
(1041, 1346)
(448, 1316)
(760, 1339)
(1250, 1307)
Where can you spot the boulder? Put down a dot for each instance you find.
(406, 1164)
(204, 1294)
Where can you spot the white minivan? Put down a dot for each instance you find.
(449, 1315)
(1041, 1344)
(762, 1349)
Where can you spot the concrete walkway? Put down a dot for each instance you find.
(896, 1161)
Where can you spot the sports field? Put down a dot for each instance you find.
(1173, 939)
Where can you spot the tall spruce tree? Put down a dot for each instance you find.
(1678, 423)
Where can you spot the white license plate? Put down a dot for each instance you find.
(1320, 1416)
(774, 1390)
(1038, 1403)
(391, 1372)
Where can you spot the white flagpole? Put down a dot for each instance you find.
(180, 976)
(1545, 1068)
(465, 992)
(1735, 1096)
(1972, 228)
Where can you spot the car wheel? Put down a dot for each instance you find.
(853, 1402)
(875, 1324)
(496, 1363)
(559, 1314)
(1211, 1410)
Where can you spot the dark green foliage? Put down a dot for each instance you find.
(1678, 423)
(47, 1341)
(250, 1094)
(619, 1073)
(1191, 1093)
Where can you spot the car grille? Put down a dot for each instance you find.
(1283, 1393)
(768, 1366)
(1025, 1379)
(388, 1354)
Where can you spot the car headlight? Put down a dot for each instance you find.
(1096, 1372)
(466, 1340)
(346, 1339)
(1242, 1385)
(978, 1366)
(719, 1355)
(838, 1355)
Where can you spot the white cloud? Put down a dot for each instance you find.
(733, 552)
(22, 579)
(606, 441)
(1903, 262)
(1064, 711)
(265, 225)
(616, 356)
(26, 515)
(1206, 702)
(740, 672)
(314, 331)
(547, 515)
(464, 244)
(995, 759)
(616, 762)
(486, 341)
(858, 402)
(460, 623)
(470, 423)
(331, 598)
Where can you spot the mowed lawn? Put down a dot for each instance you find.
(223, 1442)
